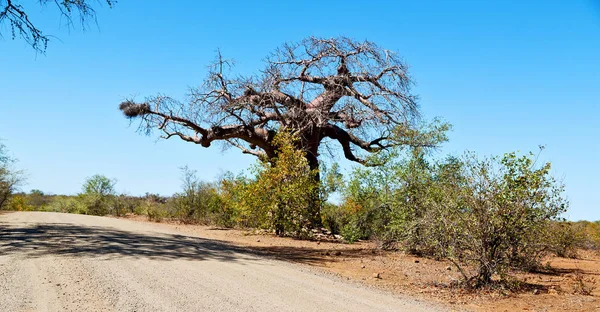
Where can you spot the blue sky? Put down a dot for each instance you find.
(509, 75)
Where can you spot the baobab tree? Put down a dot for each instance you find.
(353, 93)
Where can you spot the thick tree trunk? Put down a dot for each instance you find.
(315, 196)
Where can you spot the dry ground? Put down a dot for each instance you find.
(68, 262)
(62, 262)
(561, 290)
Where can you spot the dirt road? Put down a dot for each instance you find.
(64, 262)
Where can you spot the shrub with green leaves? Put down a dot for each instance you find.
(592, 235)
(65, 204)
(199, 202)
(496, 218)
(10, 178)
(18, 202)
(386, 202)
(279, 197)
(490, 214)
(97, 195)
(125, 204)
(564, 238)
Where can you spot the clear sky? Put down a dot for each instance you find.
(509, 75)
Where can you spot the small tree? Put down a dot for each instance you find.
(98, 193)
(500, 214)
(38, 199)
(277, 198)
(387, 201)
(564, 238)
(10, 178)
(199, 201)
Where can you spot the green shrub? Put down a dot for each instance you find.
(98, 194)
(334, 217)
(491, 214)
(123, 204)
(564, 238)
(279, 197)
(200, 202)
(351, 233)
(498, 216)
(10, 178)
(591, 235)
(155, 211)
(388, 201)
(38, 200)
(18, 203)
(66, 204)
(141, 209)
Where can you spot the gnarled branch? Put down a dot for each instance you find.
(316, 88)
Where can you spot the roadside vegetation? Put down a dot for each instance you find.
(487, 215)
(10, 177)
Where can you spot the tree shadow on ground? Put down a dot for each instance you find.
(64, 239)
(307, 255)
(562, 271)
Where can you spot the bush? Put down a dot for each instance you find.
(155, 211)
(234, 204)
(280, 196)
(497, 218)
(591, 239)
(66, 204)
(98, 194)
(334, 217)
(387, 202)
(491, 214)
(200, 202)
(10, 178)
(564, 238)
(157, 208)
(123, 204)
(18, 203)
(38, 199)
(351, 233)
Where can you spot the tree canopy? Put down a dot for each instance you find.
(354, 93)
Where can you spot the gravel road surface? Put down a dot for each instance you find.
(65, 262)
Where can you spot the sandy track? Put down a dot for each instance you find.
(64, 262)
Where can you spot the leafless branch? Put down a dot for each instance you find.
(317, 88)
(19, 23)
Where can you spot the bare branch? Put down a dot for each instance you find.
(320, 87)
(260, 154)
(20, 24)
